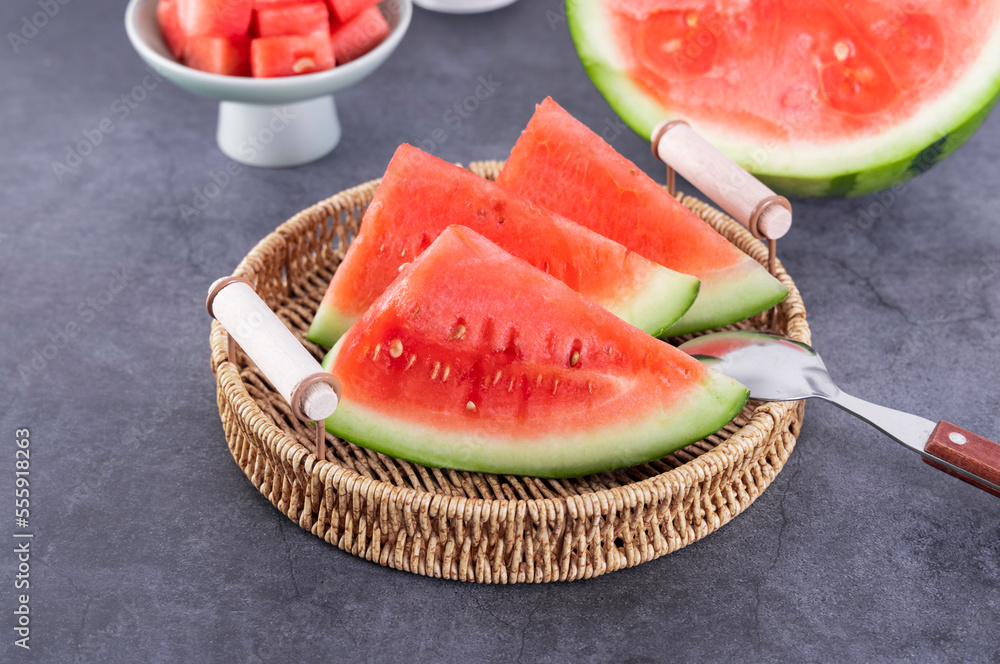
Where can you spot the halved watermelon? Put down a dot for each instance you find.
(814, 97)
(560, 164)
(474, 360)
(421, 195)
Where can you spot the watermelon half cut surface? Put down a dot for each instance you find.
(474, 360)
(814, 97)
(562, 165)
(421, 195)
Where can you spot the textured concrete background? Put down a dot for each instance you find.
(151, 545)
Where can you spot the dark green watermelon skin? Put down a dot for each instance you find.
(887, 175)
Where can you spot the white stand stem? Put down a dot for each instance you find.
(278, 136)
(273, 348)
(721, 179)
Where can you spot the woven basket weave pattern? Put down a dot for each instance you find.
(475, 526)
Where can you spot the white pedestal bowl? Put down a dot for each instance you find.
(268, 122)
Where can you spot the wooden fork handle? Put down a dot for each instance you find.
(970, 452)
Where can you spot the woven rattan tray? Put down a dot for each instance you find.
(474, 526)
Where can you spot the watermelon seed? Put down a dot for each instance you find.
(447, 370)
(378, 347)
(413, 358)
(303, 65)
(510, 388)
(434, 373)
(458, 332)
(396, 348)
(574, 358)
(590, 387)
(538, 381)
(841, 50)
(403, 265)
(471, 407)
(402, 253)
(555, 387)
(497, 377)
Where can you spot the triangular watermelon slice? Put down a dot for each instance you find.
(421, 195)
(474, 360)
(561, 164)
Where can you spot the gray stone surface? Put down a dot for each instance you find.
(150, 544)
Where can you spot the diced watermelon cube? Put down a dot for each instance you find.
(273, 20)
(291, 54)
(359, 35)
(229, 56)
(343, 11)
(215, 18)
(170, 26)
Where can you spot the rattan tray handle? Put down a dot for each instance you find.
(747, 199)
(287, 365)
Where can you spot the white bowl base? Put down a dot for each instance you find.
(278, 136)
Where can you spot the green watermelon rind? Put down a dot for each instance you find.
(627, 443)
(863, 166)
(659, 303)
(733, 294)
(644, 307)
(329, 325)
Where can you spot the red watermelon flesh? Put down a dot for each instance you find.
(290, 55)
(343, 11)
(215, 18)
(472, 359)
(229, 56)
(360, 35)
(323, 39)
(560, 164)
(170, 27)
(843, 68)
(275, 20)
(421, 195)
